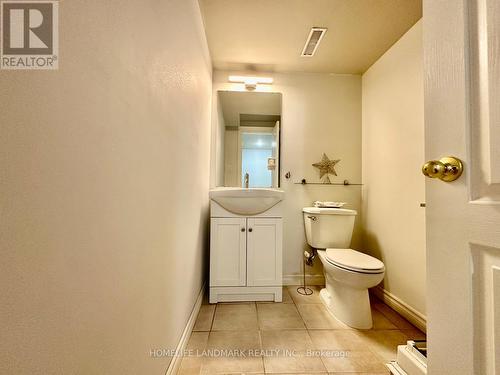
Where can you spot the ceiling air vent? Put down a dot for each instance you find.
(313, 41)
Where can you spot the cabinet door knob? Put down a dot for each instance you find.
(242, 229)
(250, 229)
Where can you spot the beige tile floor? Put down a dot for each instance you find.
(297, 336)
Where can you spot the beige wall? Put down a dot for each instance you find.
(104, 177)
(321, 113)
(231, 170)
(393, 152)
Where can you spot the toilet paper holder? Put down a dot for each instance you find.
(308, 259)
(309, 256)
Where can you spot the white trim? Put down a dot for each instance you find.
(175, 363)
(299, 279)
(395, 369)
(257, 129)
(416, 318)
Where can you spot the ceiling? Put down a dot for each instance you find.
(234, 104)
(268, 35)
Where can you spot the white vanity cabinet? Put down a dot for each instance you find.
(245, 255)
(228, 251)
(264, 255)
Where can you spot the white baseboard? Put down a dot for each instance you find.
(175, 363)
(299, 280)
(413, 316)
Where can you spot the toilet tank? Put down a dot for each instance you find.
(328, 228)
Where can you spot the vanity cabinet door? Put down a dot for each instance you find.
(264, 252)
(228, 252)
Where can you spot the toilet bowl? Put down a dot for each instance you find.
(348, 273)
(346, 292)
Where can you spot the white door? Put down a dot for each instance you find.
(276, 154)
(264, 252)
(227, 252)
(462, 119)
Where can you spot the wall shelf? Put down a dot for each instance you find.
(345, 183)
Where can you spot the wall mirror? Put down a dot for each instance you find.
(249, 135)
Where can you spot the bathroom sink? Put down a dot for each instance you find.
(243, 201)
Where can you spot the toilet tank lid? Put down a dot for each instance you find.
(329, 211)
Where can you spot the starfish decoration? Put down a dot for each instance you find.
(326, 167)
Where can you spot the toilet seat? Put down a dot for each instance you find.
(354, 261)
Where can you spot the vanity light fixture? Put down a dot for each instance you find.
(313, 40)
(251, 82)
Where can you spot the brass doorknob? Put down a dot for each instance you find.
(447, 169)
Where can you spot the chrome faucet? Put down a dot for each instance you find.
(247, 180)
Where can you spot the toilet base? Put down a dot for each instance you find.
(350, 306)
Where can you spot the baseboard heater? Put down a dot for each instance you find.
(411, 359)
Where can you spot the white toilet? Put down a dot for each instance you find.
(348, 273)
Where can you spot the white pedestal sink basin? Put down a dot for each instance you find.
(243, 201)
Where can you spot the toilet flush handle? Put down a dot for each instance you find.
(313, 218)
